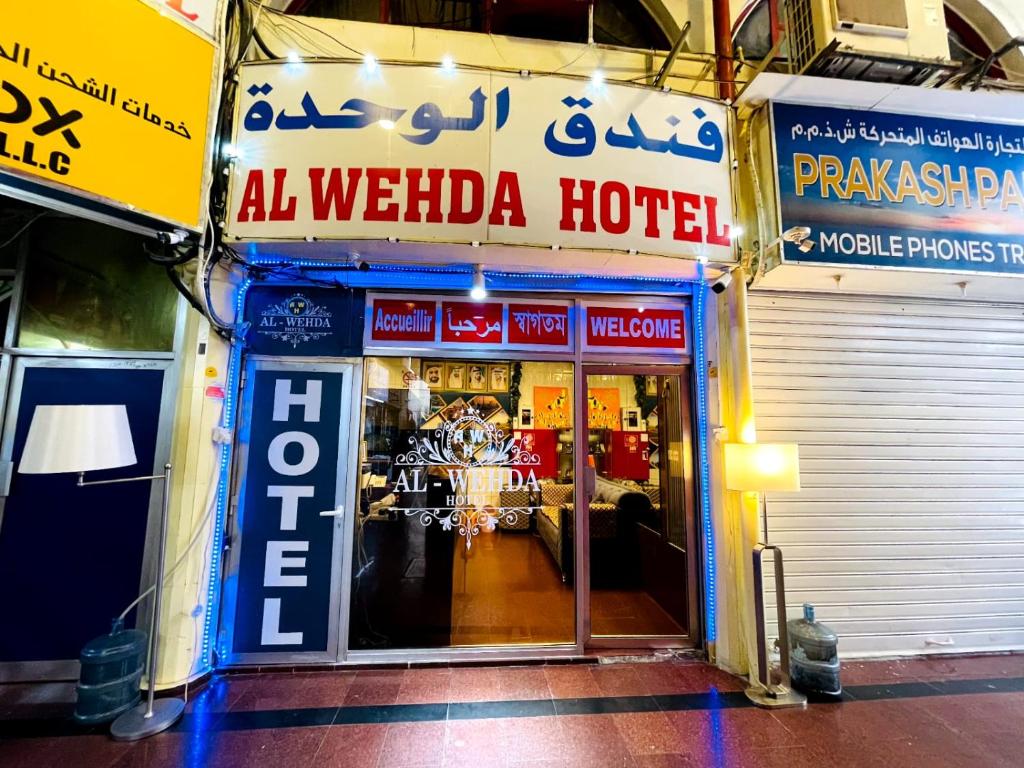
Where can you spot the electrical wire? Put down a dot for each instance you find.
(210, 501)
(27, 224)
(295, 20)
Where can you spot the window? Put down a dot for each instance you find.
(89, 286)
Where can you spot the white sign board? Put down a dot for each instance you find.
(200, 14)
(335, 150)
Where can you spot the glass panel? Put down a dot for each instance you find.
(464, 535)
(639, 447)
(90, 286)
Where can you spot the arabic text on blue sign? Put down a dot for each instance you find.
(901, 190)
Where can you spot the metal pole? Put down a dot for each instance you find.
(158, 592)
(766, 694)
(723, 50)
(677, 47)
(152, 717)
(762, 642)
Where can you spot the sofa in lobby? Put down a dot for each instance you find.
(614, 513)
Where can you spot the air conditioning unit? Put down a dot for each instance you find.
(891, 41)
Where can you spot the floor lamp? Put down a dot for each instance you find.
(86, 438)
(763, 467)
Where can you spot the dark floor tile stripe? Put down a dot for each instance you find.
(606, 705)
(311, 717)
(911, 690)
(391, 713)
(480, 710)
(676, 702)
(265, 718)
(994, 685)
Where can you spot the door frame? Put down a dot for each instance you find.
(683, 369)
(67, 669)
(344, 495)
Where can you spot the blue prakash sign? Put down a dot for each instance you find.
(901, 191)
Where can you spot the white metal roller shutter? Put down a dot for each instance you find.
(908, 534)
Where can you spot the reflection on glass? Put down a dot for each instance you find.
(90, 286)
(464, 532)
(639, 447)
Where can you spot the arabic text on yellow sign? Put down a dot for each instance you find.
(108, 97)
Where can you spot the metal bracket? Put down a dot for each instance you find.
(766, 693)
(6, 474)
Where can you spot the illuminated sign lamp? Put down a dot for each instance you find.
(479, 290)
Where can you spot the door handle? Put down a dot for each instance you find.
(339, 511)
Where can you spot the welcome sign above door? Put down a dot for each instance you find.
(335, 150)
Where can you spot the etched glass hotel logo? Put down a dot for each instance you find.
(476, 462)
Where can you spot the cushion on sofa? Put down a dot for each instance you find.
(556, 494)
(519, 499)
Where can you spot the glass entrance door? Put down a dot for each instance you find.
(464, 528)
(642, 525)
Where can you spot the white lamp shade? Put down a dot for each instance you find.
(762, 467)
(77, 438)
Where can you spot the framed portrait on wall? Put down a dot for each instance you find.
(632, 420)
(477, 377)
(526, 418)
(432, 372)
(498, 380)
(455, 376)
(651, 386)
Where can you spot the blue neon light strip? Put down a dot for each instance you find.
(403, 277)
(701, 370)
(227, 421)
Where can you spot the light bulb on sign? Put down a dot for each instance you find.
(448, 63)
(294, 58)
(479, 290)
(387, 125)
(370, 63)
(597, 79)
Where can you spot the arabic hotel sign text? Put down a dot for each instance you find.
(418, 153)
(891, 190)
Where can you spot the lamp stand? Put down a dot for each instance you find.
(766, 693)
(151, 717)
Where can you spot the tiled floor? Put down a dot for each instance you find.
(925, 712)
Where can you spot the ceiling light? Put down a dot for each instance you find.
(479, 290)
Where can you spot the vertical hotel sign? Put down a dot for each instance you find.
(110, 99)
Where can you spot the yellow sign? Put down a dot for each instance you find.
(109, 97)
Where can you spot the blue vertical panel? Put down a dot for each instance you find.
(285, 563)
(70, 557)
